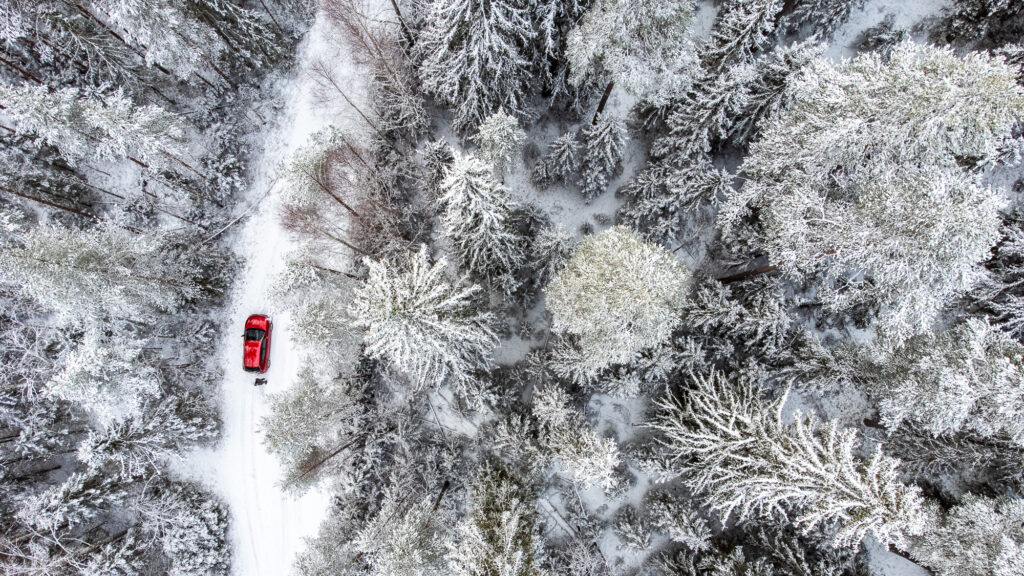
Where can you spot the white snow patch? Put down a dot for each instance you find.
(907, 15)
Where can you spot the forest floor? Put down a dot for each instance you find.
(268, 524)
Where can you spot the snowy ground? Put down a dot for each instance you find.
(267, 524)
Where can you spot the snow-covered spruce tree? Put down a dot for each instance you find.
(561, 161)
(588, 458)
(643, 45)
(141, 444)
(663, 200)
(678, 520)
(1000, 293)
(821, 17)
(741, 29)
(982, 23)
(476, 217)
(109, 378)
(103, 271)
(619, 295)
(978, 537)
(438, 158)
(169, 36)
(191, 526)
(423, 323)
(730, 106)
(882, 214)
(248, 37)
(501, 141)
(93, 124)
(966, 378)
(313, 423)
(739, 454)
(604, 142)
(476, 57)
(498, 534)
(403, 539)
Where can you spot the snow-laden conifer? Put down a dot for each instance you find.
(92, 124)
(169, 36)
(109, 378)
(604, 142)
(978, 537)
(822, 17)
(588, 458)
(866, 189)
(403, 539)
(497, 535)
(742, 28)
(970, 377)
(476, 57)
(619, 295)
(501, 141)
(739, 454)
(106, 270)
(561, 161)
(476, 214)
(423, 323)
(644, 45)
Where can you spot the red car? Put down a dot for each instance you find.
(256, 353)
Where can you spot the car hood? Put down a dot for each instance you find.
(252, 353)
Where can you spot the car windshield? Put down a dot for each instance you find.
(254, 334)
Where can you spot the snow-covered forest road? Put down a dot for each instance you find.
(268, 524)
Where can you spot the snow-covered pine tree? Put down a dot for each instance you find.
(169, 36)
(501, 141)
(742, 28)
(403, 539)
(644, 45)
(105, 271)
(476, 57)
(740, 455)
(498, 534)
(438, 158)
(619, 295)
(313, 423)
(136, 446)
(92, 124)
(248, 38)
(476, 215)
(588, 458)
(191, 526)
(999, 294)
(679, 520)
(978, 537)
(109, 378)
(421, 322)
(663, 200)
(561, 161)
(821, 188)
(604, 143)
(966, 378)
(821, 17)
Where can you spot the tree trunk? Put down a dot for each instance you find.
(405, 28)
(604, 100)
(444, 489)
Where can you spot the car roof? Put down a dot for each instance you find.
(251, 358)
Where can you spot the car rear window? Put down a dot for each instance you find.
(254, 334)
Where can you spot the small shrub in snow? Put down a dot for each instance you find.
(501, 141)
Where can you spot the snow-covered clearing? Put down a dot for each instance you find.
(268, 525)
